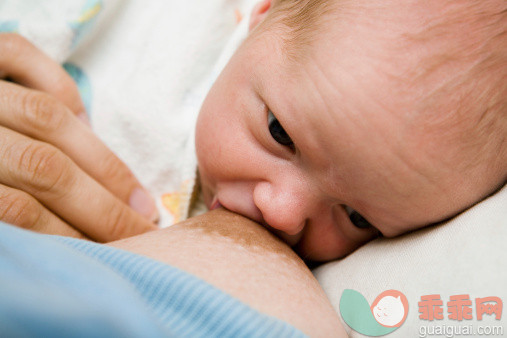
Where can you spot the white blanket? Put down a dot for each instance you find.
(144, 68)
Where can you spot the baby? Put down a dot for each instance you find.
(339, 121)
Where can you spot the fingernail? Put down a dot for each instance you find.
(83, 117)
(143, 203)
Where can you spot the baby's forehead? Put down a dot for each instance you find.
(430, 32)
(435, 66)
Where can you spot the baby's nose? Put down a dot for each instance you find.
(283, 209)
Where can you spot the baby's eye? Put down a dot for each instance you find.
(356, 219)
(277, 132)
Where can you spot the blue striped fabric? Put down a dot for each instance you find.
(63, 287)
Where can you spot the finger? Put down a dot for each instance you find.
(29, 66)
(43, 118)
(19, 208)
(51, 177)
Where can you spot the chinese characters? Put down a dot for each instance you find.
(459, 307)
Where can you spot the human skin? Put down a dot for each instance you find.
(42, 138)
(246, 261)
(358, 132)
(51, 163)
(353, 146)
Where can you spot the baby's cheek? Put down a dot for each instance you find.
(393, 231)
(321, 245)
(206, 153)
(327, 242)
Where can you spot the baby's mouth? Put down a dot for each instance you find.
(215, 204)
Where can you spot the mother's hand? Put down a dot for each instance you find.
(56, 176)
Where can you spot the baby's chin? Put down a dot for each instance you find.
(314, 254)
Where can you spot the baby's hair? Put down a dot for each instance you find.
(460, 72)
(466, 71)
(300, 21)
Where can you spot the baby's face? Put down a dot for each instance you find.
(300, 149)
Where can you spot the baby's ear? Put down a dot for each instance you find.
(259, 12)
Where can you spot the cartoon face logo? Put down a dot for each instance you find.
(386, 314)
(390, 308)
